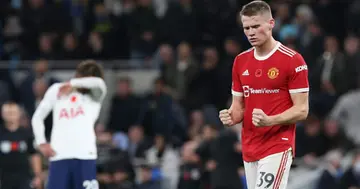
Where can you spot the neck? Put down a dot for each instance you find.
(70, 49)
(46, 51)
(12, 126)
(185, 59)
(137, 141)
(266, 48)
(39, 97)
(123, 95)
(352, 53)
(97, 48)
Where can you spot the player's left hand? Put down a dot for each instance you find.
(36, 182)
(259, 118)
(65, 89)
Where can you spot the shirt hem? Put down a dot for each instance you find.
(248, 160)
(74, 157)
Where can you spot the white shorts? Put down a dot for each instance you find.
(271, 172)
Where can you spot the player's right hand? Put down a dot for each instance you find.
(46, 150)
(225, 117)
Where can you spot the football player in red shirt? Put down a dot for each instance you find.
(270, 94)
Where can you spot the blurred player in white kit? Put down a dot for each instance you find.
(72, 148)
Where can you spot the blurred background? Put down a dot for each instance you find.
(168, 69)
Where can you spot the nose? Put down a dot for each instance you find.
(251, 32)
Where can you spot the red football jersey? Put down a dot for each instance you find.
(266, 83)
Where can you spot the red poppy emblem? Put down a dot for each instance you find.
(258, 72)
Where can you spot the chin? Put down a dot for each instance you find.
(256, 44)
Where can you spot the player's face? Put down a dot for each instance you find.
(258, 28)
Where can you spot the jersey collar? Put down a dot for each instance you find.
(257, 57)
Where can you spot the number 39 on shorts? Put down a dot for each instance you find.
(91, 184)
(266, 180)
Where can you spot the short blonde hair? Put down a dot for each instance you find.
(255, 8)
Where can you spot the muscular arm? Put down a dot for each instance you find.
(297, 112)
(237, 109)
(299, 91)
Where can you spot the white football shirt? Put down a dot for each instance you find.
(74, 118)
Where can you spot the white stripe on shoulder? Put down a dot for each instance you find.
(285, 52)
(287, 49)
(249, 50)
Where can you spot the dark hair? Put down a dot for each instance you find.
(254, 8)
(89, 68)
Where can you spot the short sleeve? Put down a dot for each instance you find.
(31, 146)
(298, 75)
(236, 88)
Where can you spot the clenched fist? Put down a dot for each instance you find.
(259, 118)
(225, 117)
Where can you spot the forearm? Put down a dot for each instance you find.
(237, 114)
(36, 164)
(38, 126)
(290, 116)
(87, 82)
(95, 84)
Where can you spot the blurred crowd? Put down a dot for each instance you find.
(117, 29)
(171, 137)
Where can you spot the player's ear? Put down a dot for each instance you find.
(272, 23)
